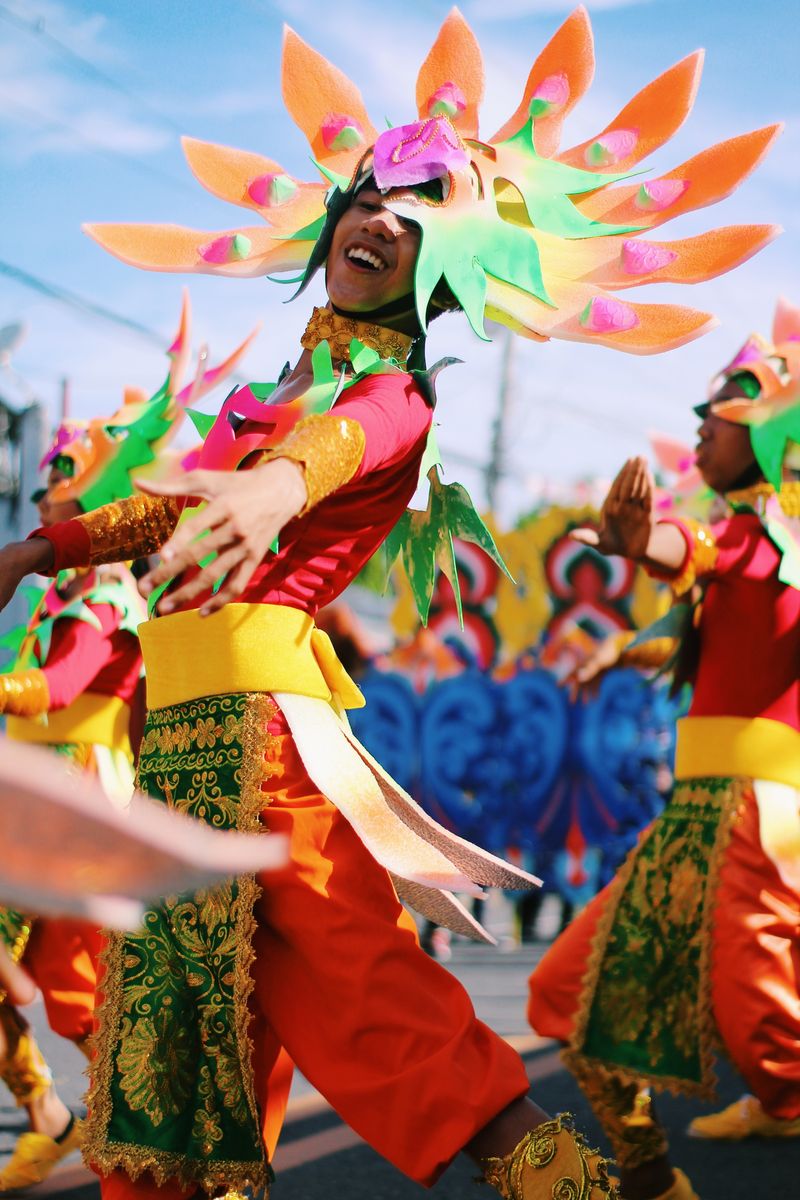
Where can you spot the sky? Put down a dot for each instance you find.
(94, 95)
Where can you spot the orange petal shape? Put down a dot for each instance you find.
(315, 92)
(181, 348)
(569, 53)
(134, 395)
(176, 248)
(623, 262)
(658, 327)
(786, 323)
(711, 176)
(454, 58)
(652, 116)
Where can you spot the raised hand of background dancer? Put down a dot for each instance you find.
(626, 518)
(19, 559)
(586, 676)
(245, 512)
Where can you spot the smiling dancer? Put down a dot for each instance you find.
(694, 940)
(244, 721)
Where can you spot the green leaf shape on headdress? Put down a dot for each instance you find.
(771, 439)
(15, 638)
(135, 450)
(425, 539)
(119, 594)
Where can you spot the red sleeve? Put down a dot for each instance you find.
(394, 415)
(78, 652)
(72, 546)
(735, 543)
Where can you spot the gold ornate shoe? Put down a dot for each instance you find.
(552, 1160)
(35, 1155)
(742, 1119)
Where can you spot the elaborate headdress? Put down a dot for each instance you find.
(534, 237)
(101, 457)
(769, 372)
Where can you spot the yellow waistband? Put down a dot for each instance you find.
(242, 648)
(92, 719)
(754, 747)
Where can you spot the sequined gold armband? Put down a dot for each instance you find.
(24, 693)
(551, 1160)
(649, 655)
(702, 559)
(131, 528)
(329, 449)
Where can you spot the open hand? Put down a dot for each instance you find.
(586, 677)
(626, 518)
(246, 511)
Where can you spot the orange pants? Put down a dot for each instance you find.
(755, 971)
(381, 1030)
(61, 957)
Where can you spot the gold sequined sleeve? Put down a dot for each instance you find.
(131, 528)
(328, 447)
(24, 693)
(648, 655)
(701, 558)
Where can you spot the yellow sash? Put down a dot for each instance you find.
(242, 648)
(753, 747)
(91, 719)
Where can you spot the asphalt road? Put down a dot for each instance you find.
(320, 1158)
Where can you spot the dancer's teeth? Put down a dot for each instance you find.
(367, 257)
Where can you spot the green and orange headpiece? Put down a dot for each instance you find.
(534, 237)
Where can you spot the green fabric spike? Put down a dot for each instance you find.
(789, 569)
(13, 640)
(770, 440)
(135, 451)
(546, 186)
(426, 378)
(202, 422)
(426, 541)
(76, 611)
(117, 593)
(467, 247)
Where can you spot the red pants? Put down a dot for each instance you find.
(755, 971)
(61, 957)
(381, 1030)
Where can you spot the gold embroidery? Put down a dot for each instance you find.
(702, 560)
(131, 528)
(212, 928)
(24, 1071)
(625, 1113)
(330, 449)
(552, 1160)
(24, 693)
(620, 1008)
(327, 326)
(756, 497)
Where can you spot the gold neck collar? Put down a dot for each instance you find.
(327, 326)
(757, 496)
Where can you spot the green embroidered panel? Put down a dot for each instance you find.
(650, 1010)
(173, 1090)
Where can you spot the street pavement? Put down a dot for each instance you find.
(321, 1159)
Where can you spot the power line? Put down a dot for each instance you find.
(72, 300)
(36, 28)
(116, 155)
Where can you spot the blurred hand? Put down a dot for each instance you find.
(246, 511)
(626, 518)
(19, 559)
(586, 677)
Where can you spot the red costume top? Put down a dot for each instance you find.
(750, 623)
(106, 661)
(320, 551)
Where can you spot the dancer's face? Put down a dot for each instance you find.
(372, 256)
(724, 451)
(64, 510)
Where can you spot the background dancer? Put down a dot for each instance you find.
(695, 938)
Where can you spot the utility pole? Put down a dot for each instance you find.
(66, 396)
(495, 468)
